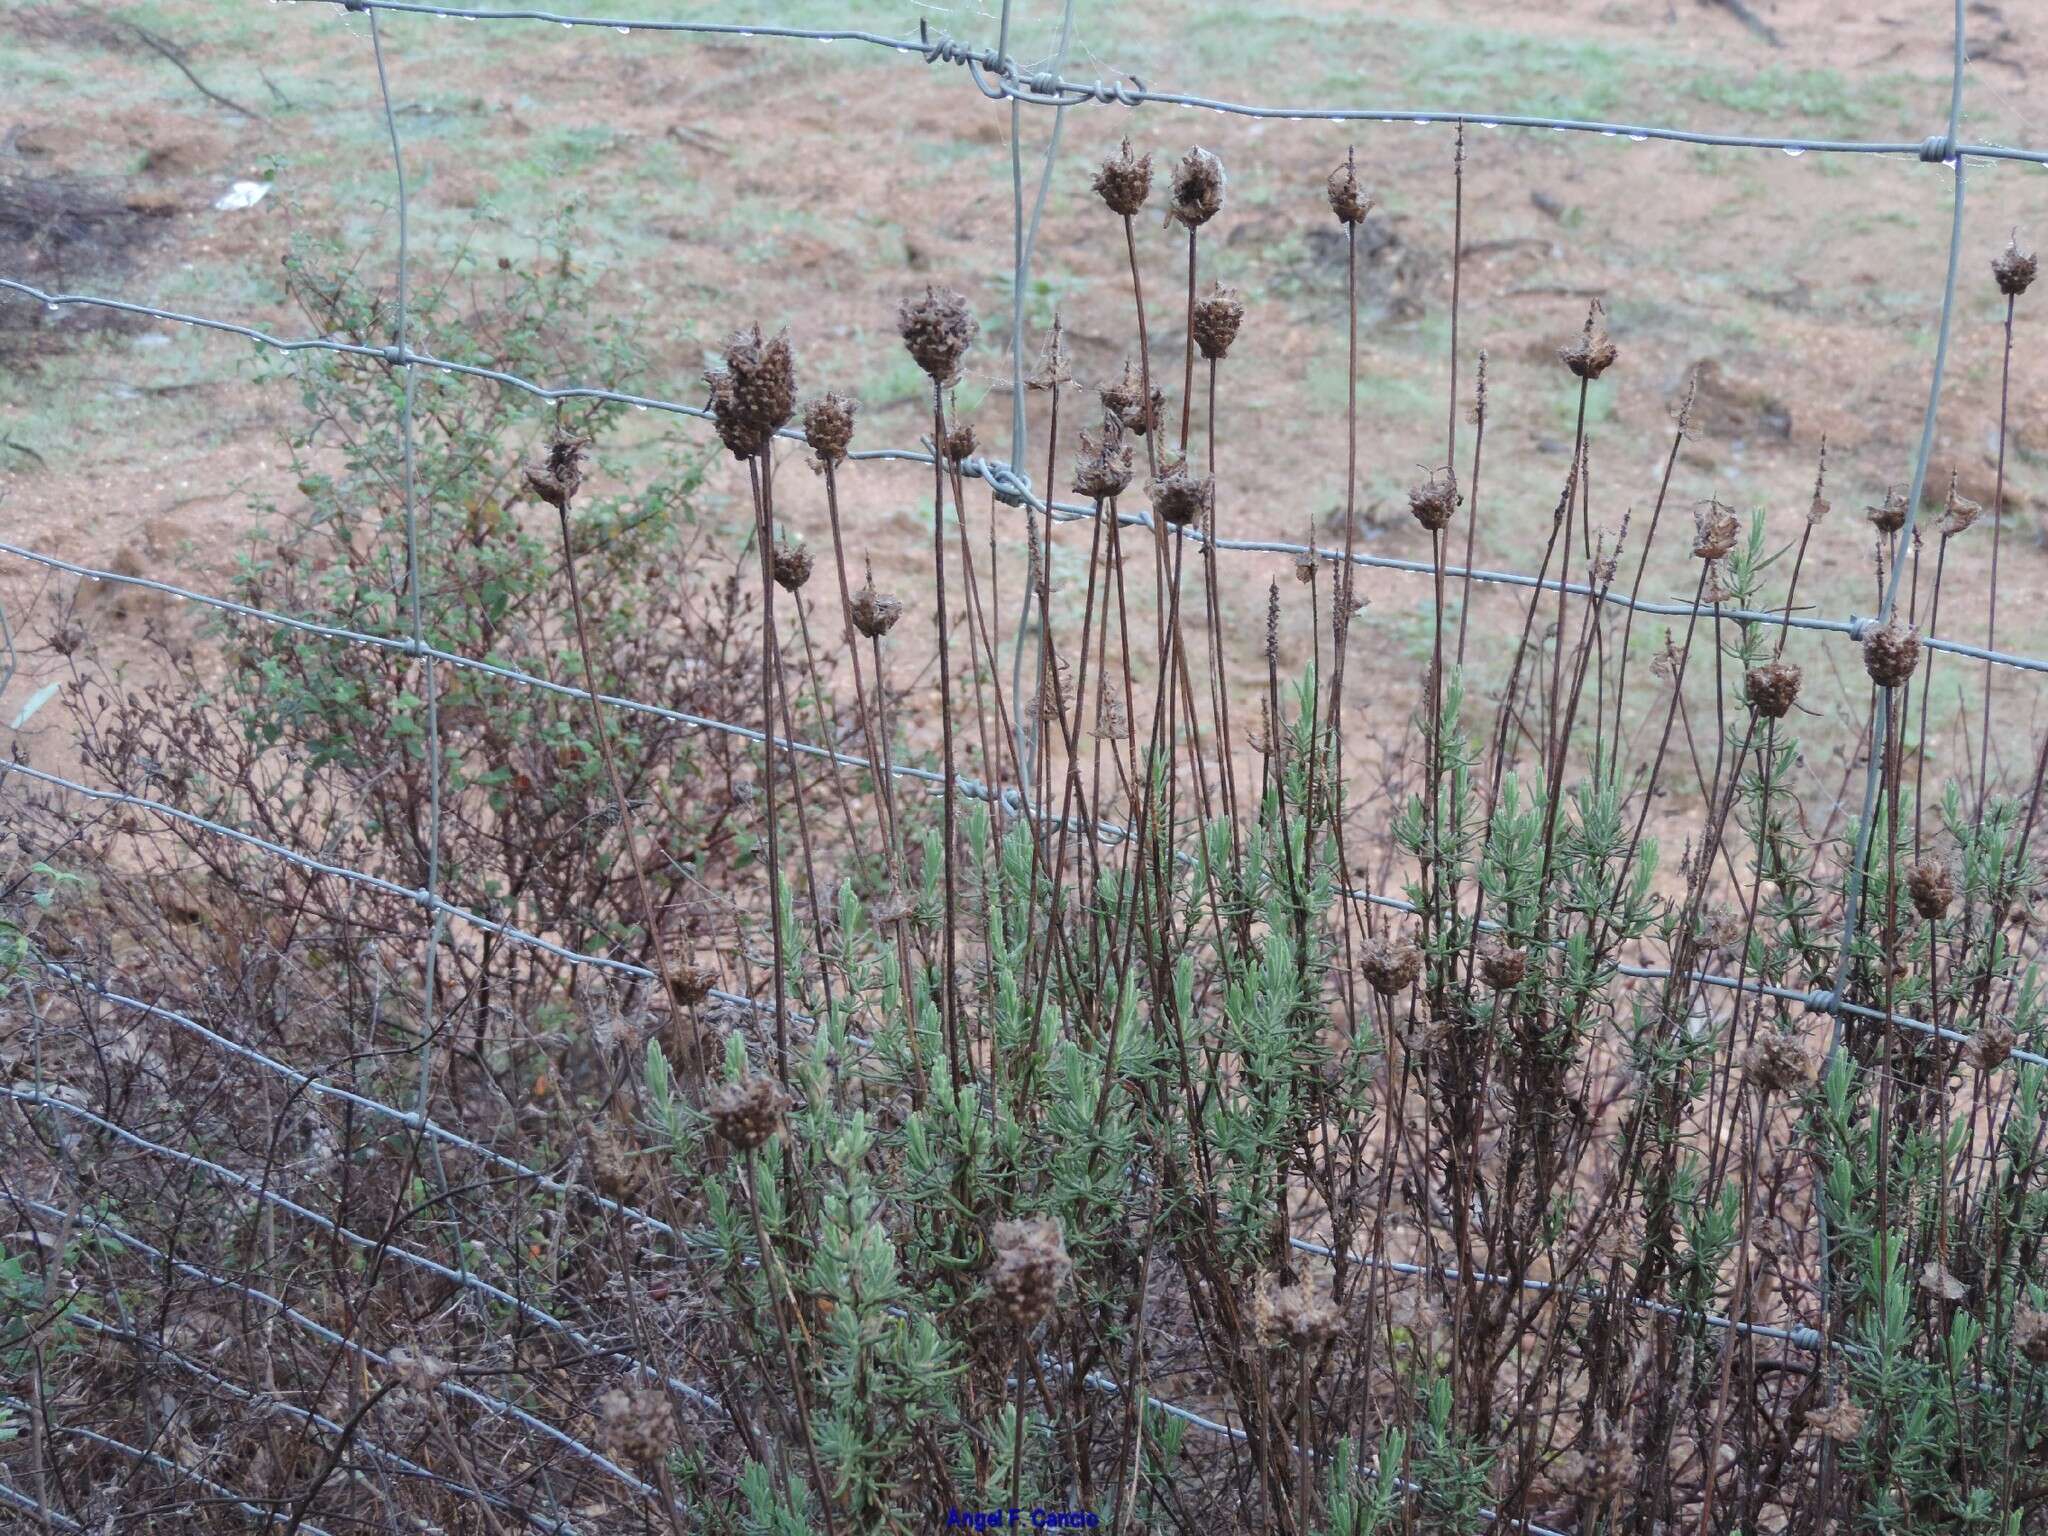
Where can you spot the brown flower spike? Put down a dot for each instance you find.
(1197, 189)
(937, 329)
(746, 1113)
(828, 428)
(1125, 181)
(1347, 200)
(1593, 353)
(754, 394)
(2014, 269)
(1218, 314)
(1031, 1266)
(1772, 688)
(1891, 653)
(1390, 965)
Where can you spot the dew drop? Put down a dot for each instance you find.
(1794, 151)
(1639, 138)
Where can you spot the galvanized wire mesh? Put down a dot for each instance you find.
(996, 75)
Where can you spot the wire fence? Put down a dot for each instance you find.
(996, 75)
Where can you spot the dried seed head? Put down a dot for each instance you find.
(633, 1424)
(746, 1113)
(1390, 965)
(1991, 1047)
(1959, 513)
(1125, 401)
(1347, 200)
(613, 1168)
(690, 984)
(754, 394)
(1592, 354)
(1669, 660)
(1305, 1314)
(1891, 652)
(1842, 1422)
(1889, 517)
(1112, 720)
(1720, 930)
(2014, 269)
(1180, 497)
(792, 566)
(1939, 1281)
(1609, 1463)
(1932, 885)
(1197, 189)
(1104, 468)
(1717, 591)
(1055, 367)
(1218, 314)
(1055, 687)
(937, 329)
(1501, 966)
(556, 478)
(1817, 511)
(960, 444)
(1779, 1062)
(828, 428)
(874, 613)
(1125, 181)
(1433, 502)
(2030, 1333)
(1031, 1265)
(1715, 531)
(1305, 567)
(1772, 688)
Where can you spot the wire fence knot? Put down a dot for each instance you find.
(1937, 148)
(1823, 1000)
(1011, 486)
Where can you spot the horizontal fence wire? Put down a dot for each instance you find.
(997, 76)
(1008, 484)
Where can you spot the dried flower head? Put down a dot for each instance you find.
(1932, 886)
(746, 1113)
(417, 1371)
(1125, 401)
(1304, 1313)
(1125, 180)
(1112, 720)
(1055, 368)
(1390, 965)
(1720, 930)
(1772, 688)
(1433, 502)
(1501, 966)
(1891, 652)
(754, 393)
(1840, 1422)
(960, 443)
(1103, 469)
(556, 478)
(1777, 1062)
(1055, 687)
(2030, 1333)
(1218, 314)
(1347, 200)
(633, 1424)
(1959, 512)
(689, 984)
(1592, 353)
(1031, 1265)
(1609, 1463)
(828, 428)
(937, 329)
(1305, 567)
(1889, 516)
(1991, 1047)
(1197, 189)
(874, 613)
(1181, 497)
(2014, 268)
(792, 566)
(1715, 531)
(1669, 660)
